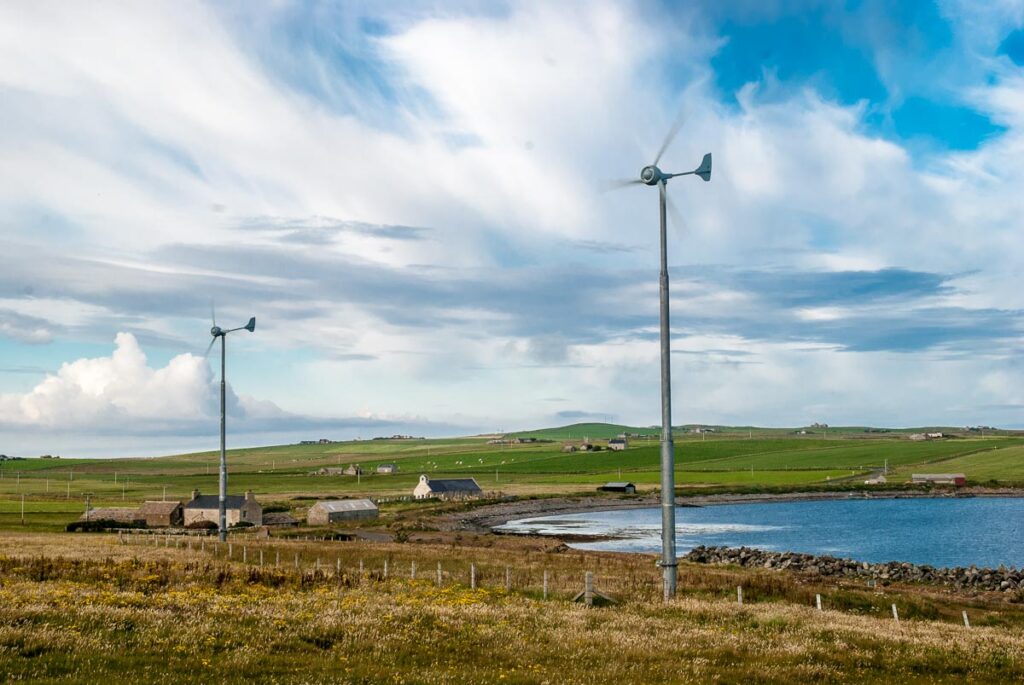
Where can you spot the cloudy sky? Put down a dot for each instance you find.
(411, 199)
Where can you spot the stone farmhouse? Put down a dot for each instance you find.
(239, 508)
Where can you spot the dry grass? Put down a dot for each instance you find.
(85, 609)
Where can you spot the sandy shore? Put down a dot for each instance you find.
(483, 519)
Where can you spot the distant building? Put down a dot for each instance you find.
(568, 448)
(334, 511)
(627, 488)
(876, 480)
(918, 436)
(353, 470)
(330, 471)
(162, 514)
(387, 469)
(449, 488)
(617, 444)
(239, 508)
(939, 478)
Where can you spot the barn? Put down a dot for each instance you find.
(339, 510)
(627, 488)
(162, 514)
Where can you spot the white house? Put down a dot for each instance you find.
(448, 488)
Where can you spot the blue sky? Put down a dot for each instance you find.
(409, 198)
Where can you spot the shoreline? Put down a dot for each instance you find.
(485, 518)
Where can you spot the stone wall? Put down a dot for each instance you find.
(983, 579)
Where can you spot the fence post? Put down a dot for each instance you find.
(967, 622)
(439, 574)
(229, 550)
(817, 599)
(412, 571)
(545, 583)
(739, 595)
(472, 576)
(296, 560)
(277, 558)
(895, 614)
(337, 567)
(261, 556)
(245, 554)
(508, 579)
(588, 588)
(385, 569)
(360, 567)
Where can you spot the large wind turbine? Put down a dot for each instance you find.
(651, 175)
(218, 332)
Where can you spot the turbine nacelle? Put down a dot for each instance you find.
(652, 175)
(216, 331)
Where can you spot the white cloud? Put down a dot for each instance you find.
(118, 392)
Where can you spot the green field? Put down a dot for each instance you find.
(55, 490)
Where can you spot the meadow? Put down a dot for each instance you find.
(54, 491)
(88, 608)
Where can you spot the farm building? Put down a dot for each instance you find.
(939, 478)
(450, 488)
(162, 514)
(568, 448)
(627, 488)
(338, 510)
(353, 470)
(387, 469)
(875, 480)
(239, 508)
(330, 471)
(119, 514)
(617, 444)
(279, 518)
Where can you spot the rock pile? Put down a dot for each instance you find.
(982, 579)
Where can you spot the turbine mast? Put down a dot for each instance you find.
(668, 488)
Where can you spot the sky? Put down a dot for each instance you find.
(412, 199)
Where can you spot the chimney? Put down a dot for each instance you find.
(195, 494)
(249, 497)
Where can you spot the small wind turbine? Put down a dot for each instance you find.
(651, 175)
(218, 332)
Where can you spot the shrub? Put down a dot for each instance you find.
(202, 525)
(243, 524)
(98, 525)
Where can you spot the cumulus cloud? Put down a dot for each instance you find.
(119, 392)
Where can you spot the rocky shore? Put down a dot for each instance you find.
(980, 579)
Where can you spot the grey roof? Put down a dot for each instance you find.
(938, 476)
(121, 514)
(345, 505)
(453, 485)
(619, 485)
(213, 502)
(159, 507)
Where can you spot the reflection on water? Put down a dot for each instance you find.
(937, 531)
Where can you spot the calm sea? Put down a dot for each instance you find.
(939, 531)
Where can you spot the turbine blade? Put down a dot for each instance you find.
(213, 314)
(676, 125)
(615, 184)
(209, 347)
(679, 226)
